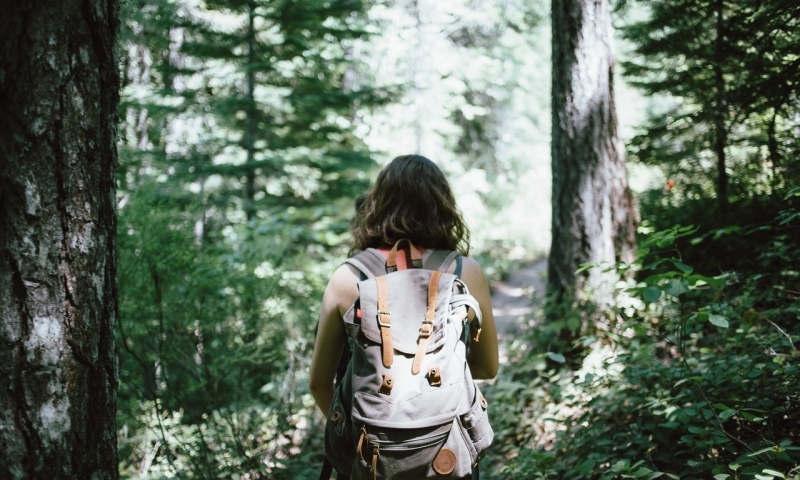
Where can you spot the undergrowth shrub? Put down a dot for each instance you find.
(689, 375)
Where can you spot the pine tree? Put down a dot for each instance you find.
(731, 68)
(683, 50)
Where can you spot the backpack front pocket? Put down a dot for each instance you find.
(411, 458)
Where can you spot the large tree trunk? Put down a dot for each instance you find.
(593, 214)
(58, 295)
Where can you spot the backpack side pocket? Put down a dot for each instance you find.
(475, 427)
(339, 447)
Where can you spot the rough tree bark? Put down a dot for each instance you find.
(593, 213)
(58, 296)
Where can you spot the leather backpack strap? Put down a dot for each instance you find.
(426, 330)
(370, 262)
(385, 323)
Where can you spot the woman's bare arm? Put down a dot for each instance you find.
(340, 293)
(483, 355)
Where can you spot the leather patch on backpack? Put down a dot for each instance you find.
(435, 375)
(445, 462)
(388, 383)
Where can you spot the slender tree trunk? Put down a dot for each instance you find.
(250, 126)
(593, 213)
(772, 143)
(774, 154)
(58, 294)
(720, 111)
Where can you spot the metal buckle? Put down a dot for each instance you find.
(388, 314)
(426, 332)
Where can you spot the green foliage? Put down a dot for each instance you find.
(723, 73)
(238, 170)
(214, 339)
(693, 375)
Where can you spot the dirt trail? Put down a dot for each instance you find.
(517, 296)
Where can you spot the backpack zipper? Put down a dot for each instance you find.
(389, 446)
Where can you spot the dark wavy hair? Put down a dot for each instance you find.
(411, 199)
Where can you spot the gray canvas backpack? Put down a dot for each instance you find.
(407, 407)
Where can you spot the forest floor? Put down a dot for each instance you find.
(516, 298)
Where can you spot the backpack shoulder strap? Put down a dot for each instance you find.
(369, 262)
(441, 259)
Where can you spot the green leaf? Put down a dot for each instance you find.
(651, 294)
(718, 320)
(573, 324)
(727, 231)
(701, 316)
(654, 265)
(794, 192)
(774, 449)
(556, 357)
(682, 266)
(721, 476)
(675, 286)
(752, 418)
(687, 379)
(773, 472)
(586, 266)
(727, 414)
(696, 279)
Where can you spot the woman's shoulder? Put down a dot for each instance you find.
(471, 263)
(472, 273)
(468, 264)
(344, 274)
(342, 288)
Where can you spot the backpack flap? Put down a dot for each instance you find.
(407, 306)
